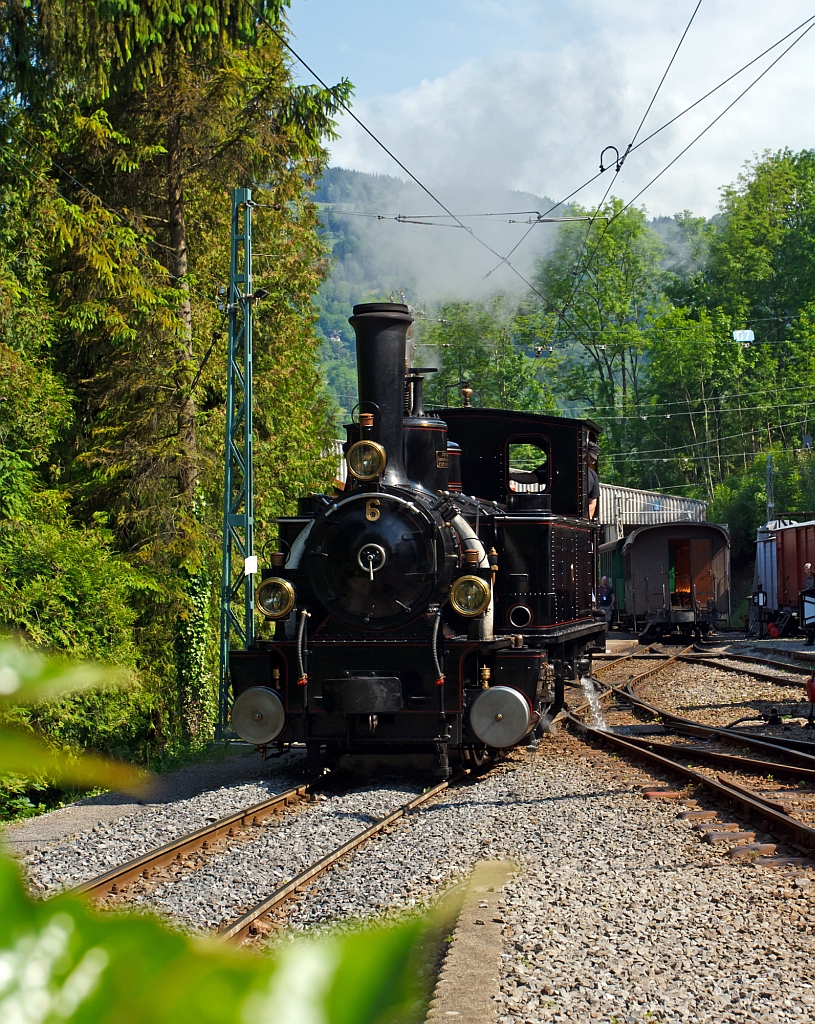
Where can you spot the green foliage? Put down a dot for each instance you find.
(77, 966)
(605, 279)
(482, 343)
(69, 964)
(63, 586)
(28, 680)
(128, 126)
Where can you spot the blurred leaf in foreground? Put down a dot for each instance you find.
(59, 961)
(24, 754)
(27, 678)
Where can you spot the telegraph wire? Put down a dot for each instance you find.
(642, 142)
(722, 457)
(715, 439)
(619, 167)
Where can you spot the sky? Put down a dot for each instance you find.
(525, 94)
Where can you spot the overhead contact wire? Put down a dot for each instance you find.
(618, 168)
(656, 132)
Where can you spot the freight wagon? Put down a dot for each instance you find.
(782, 550)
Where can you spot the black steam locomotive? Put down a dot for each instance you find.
(407, 616)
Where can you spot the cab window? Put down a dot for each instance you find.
(528, 465)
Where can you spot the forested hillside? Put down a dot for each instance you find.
(125, 129)
(423, 259)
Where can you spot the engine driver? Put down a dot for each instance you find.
(592, 455)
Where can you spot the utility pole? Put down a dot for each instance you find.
(770, 496)
(239, 562)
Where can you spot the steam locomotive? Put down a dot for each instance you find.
(406, 616)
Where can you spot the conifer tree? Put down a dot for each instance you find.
(142, 116)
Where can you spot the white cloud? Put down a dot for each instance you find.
(536, 117)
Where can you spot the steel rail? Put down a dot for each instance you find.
(627, 657)
(240, 929)
(794, 832)
(108, 883)
(756, 672)
(796, 749)
(744, 764)
(658, 668)
(755, 659)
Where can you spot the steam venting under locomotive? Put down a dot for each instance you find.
(406, 616)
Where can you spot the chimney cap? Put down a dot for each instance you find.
(381, 307)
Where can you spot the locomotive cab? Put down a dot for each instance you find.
(437, 605)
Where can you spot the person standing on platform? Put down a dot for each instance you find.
(605, 599)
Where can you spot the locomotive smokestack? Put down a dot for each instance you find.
(381, 330)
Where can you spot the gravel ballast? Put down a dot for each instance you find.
(231, 882)
(618, 913)
(86, 852)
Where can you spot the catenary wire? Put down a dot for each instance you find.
(661, 81)
(657, 176)
(570, 298)
(721, 398)
(718, 118)
(650, 416)
(642, 142)
(284, 42)
(730, 78)
(262, 17)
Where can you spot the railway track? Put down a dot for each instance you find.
(781, 757)
(112, 881)
(115, 882)
(246, 925)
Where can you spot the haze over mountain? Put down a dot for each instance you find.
(374, 256)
